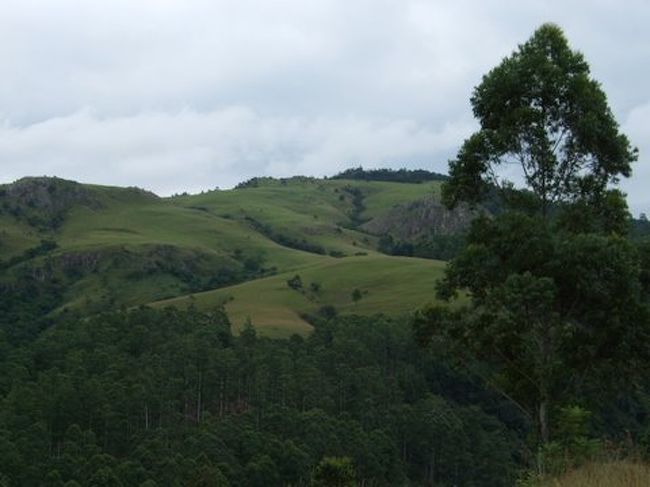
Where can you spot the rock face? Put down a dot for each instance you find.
(49, 194)
(44, 201)
(423, 217)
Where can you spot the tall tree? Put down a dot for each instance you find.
(552, 300)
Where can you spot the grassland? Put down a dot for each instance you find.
(391, 285)
(15, 237)
(144, 249)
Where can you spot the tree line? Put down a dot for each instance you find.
(390, 175)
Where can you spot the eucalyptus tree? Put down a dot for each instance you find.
(554, 287)
(541, 111)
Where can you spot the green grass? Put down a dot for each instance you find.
(166, 223)
(15, 237)
(382, 196)
(219, 227)
(319, 210)
(315, 210)
(217, 221)
(309, 210)
(390, 285)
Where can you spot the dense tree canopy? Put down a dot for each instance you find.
(550, 311)
(396, 175)
(171, 398)
(540, 110)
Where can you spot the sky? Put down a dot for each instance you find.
(190, 95)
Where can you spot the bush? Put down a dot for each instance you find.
(295, 282)
(334, 472)
(328, 311)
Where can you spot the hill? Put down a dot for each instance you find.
(104, 247)
(392, 285)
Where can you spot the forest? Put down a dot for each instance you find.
(168, 397)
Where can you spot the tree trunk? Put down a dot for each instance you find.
(198, 398)
(543, 421)
(543, 434)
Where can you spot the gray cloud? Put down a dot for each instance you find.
(179, 95)
(191, 150)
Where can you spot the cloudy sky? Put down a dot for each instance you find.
(186, 95)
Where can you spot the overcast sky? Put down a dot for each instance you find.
(186, 95)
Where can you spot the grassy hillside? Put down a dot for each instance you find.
(391, 285)
(107, 247)
(15, 237)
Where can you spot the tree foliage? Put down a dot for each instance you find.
(550, 311)
(393, 175)
(556, 301)
(334, 472)
(541, 111)
(168, 397)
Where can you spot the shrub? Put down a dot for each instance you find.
(295, 282)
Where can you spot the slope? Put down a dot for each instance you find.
(390, 285)
(104, 247)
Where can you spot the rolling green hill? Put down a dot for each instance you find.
(391, 285)
(110, 247)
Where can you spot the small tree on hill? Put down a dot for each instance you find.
(356, 295)
(295, 283)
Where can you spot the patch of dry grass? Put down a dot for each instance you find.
(609, 474)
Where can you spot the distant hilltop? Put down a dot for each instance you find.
(402, 175)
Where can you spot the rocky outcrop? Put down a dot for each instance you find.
(422, 217)
(51, 195)
(44, 201)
